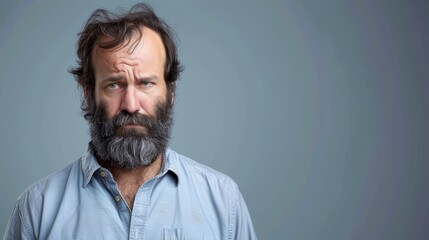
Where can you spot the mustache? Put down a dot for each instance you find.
(107, 127)
(157, 125)
(125, 118)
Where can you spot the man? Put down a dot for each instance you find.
(130, 185)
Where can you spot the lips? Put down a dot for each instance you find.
(133, 125)
(131, 129)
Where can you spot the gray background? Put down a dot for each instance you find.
(318, 109)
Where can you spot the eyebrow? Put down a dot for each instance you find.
(112, 79)
(142, 79)
(148, 78)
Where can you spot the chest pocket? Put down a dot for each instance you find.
(179, 234)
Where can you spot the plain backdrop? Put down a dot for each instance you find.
(318, 109)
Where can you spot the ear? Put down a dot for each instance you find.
(86, 93)
(172, 98)
(173, 94)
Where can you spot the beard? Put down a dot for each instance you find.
(129, 148)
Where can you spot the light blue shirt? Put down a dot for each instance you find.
(186, 200)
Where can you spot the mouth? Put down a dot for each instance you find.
(131, 128)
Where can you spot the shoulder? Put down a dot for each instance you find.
(40, 200)
(48, 187)
(190, 170)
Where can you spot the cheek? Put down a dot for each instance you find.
(147, 105)
(112, 109)
(112, 106)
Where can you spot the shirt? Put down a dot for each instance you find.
(186, 200)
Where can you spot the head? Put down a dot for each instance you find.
(127, 70)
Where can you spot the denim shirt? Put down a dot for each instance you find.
(186, 200)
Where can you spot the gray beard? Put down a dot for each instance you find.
(131, 148)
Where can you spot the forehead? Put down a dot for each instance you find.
(145, 50)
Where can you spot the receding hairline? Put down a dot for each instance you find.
(130, 40)
(133, 42)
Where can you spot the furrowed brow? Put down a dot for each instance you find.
(112, 79)
(151, 78)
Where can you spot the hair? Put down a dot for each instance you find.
(120, 28)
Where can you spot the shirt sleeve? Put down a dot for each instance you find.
(16, 228)
(241, 226)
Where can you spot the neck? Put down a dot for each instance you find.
(142, 173)
(130, 180)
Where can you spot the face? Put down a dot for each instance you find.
(131, 124)
(131, 78)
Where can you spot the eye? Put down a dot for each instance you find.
(146, 83)
(113, 86)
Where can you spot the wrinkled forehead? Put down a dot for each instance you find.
(142, 55)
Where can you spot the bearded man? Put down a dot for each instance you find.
(129, 184)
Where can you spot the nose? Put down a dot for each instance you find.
(130, 101)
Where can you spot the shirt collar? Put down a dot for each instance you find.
(170, 165)
(90, 165)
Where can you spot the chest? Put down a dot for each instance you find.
(161, 210)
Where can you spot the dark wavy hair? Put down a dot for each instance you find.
(120, 28)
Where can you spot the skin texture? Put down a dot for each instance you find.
(131, 78)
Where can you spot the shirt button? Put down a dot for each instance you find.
(117, 198)
(103, 174)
